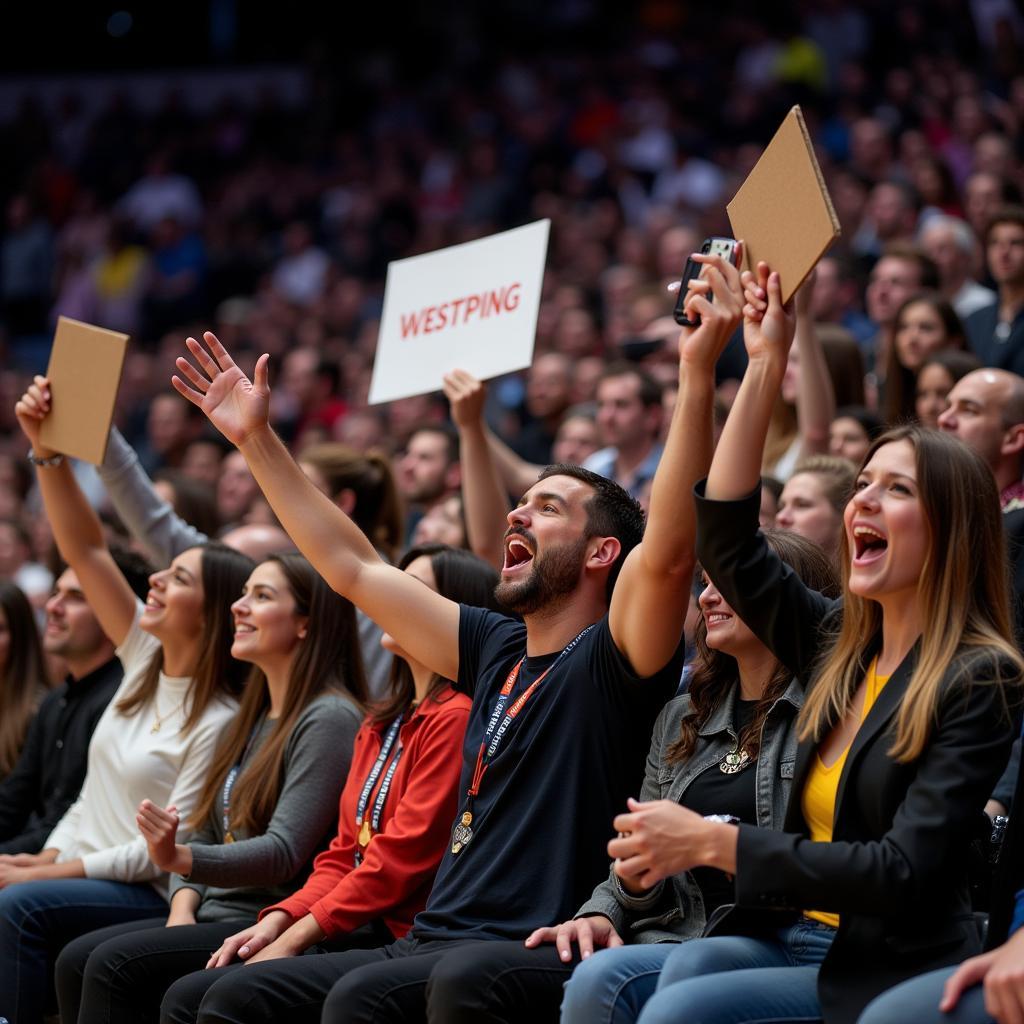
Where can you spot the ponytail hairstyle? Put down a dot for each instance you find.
(716, 672)
(22, 678)
(963, 591)
(377, 509)
(327, 660)
(461, 576)
(223, 573)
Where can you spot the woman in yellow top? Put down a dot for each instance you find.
(903, 732)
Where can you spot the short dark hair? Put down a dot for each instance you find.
(134, 568)
(1010, 214)
(650, 389)
(611, 512)
(449, 434)
(928, 271)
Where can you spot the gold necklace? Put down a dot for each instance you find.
(159, 719)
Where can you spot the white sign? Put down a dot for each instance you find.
(471, 307)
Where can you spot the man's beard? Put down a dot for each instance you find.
(552, 575)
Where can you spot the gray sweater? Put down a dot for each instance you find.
(236, 880)
(673, 910)
(163, 535)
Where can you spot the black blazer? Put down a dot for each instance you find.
(896, 869)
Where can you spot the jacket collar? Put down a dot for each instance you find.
(722, 718)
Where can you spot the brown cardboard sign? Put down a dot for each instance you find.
(84, 372)
(783, 210)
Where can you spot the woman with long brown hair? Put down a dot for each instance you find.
(726, 746)
(23, 680)
(156, 737)
(268, 806)
(905, 727)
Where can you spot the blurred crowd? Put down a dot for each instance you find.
(274, 228)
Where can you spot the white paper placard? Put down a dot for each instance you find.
(471, 306)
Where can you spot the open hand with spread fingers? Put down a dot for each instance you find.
(236, 406)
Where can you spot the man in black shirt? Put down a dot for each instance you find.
(50, 771)
(563, 702)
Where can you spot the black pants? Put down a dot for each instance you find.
(118, 975)
(445, 982)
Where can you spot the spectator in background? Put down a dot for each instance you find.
(428, 471)
(301, 273)
(192, 501)
(836, 298)
(171, 427)
(952, 247)
(852, 432)
(26, 269)
(236, 489)
(628, 425)
(986, 411)
(813, 500)
(985, 194)
(48, 775)
(548, 396)
(901, 271)
(159, 194)
(310, 406)
(177, 284)
(996, 332)
(17, 565)
(925, 324)
(890, 218)
(935, 380)
(23, 682)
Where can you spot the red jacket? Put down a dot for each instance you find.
(394, 879)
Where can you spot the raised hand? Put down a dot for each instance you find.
(466, 395)
(235, 405)
(32, 408)
(701, 346)
(589, 933)
(768, 326)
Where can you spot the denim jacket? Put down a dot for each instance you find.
(673, 910)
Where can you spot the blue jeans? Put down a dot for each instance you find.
(38, 918)
(917, 1000)
(612, 986)
(771, 980)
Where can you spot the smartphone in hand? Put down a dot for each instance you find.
(724, 247)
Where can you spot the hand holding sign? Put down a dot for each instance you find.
(32, 408)
(235, 405)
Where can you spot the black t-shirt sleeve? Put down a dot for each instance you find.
(480, 631)
(611, 671)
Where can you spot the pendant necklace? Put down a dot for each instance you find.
(733, 762)
(158, 719)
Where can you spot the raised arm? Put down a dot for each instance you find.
(516, 474)
(651, 596)
(162, 533)
(76, 527)
(767, 595)
(767, 332)
(815, 397)
(422, 622)
(484, 497)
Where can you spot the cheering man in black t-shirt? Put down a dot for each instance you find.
(563, 702)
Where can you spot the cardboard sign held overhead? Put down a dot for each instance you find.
(471, 307)
(783, 210)
(85, 370)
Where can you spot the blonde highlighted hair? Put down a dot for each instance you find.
(963, 593)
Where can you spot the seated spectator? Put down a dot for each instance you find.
(23, 681)
(48, 774)
(268, 805)
(735, 724)
(428, 471)
(367, 887)
(156, 739)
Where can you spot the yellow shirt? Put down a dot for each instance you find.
(818, 801)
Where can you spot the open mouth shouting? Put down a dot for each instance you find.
(518, 553)
(869, 544)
